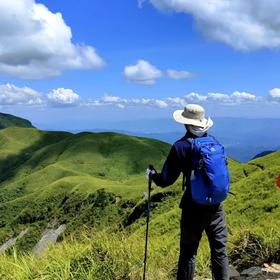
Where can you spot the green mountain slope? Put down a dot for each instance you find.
(7, 120)
(96, 180)
(40, 172)
(104, 156)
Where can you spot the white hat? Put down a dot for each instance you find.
(192, 114)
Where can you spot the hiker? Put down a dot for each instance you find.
(196, 217)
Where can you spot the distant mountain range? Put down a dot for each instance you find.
(242, 138)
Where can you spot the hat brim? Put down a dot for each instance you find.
(178, 116)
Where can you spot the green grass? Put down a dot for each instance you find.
(92, 256)
(94, 182)
(7, 120)
(42, 168)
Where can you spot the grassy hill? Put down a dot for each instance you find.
(7, 120)
(43, 173)
(94, 182)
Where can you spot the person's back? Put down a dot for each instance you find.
(195, 217)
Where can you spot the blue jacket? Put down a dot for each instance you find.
(178, 160)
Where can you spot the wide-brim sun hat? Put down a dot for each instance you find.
(193, 114)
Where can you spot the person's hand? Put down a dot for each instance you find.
(150, 172)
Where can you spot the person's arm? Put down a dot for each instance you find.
(170, 171)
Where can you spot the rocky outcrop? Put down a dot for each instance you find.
(12, 241)
(233, 272)
(49, 237)
(267, 272)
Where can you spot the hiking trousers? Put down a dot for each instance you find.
(195, 219)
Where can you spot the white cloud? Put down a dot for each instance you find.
(63, 97)
(121, 103)
(36, 43)
(91, 103)
(142, 73)
(121, 106)
(235, 98)
(110, 98)
(143, 101)
(13, 95)
(161, 103)
(274, 95)
(195, 97)
(178, 75)
(244, 25)
(243, 96)
(218, 97)
(177, 101)
(107, 100)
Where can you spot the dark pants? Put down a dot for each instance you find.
(195, 219)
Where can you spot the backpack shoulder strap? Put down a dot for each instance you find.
(190, 140)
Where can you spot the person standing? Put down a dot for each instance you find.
(198, 213)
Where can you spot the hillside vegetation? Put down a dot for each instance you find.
(94, 183)
(7, 120)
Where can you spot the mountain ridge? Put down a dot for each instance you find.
(7, 120)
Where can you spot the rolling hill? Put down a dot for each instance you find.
(7, 120)
(39, 170)
(94, 183)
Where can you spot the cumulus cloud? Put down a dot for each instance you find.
(178, 75)
(63, 97)
(274, 95)
(243, 96)
(218, 97)
(235, 98)
(142, 73)
(36, 43)
(177, 101)
(195, 97)
(161, 103)
(110, 98)
(122, 103)
(244, 25)
(13, 95)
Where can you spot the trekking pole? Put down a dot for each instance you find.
(147, 224)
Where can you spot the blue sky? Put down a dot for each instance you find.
(112, 60)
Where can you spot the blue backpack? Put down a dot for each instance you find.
(210, 175)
